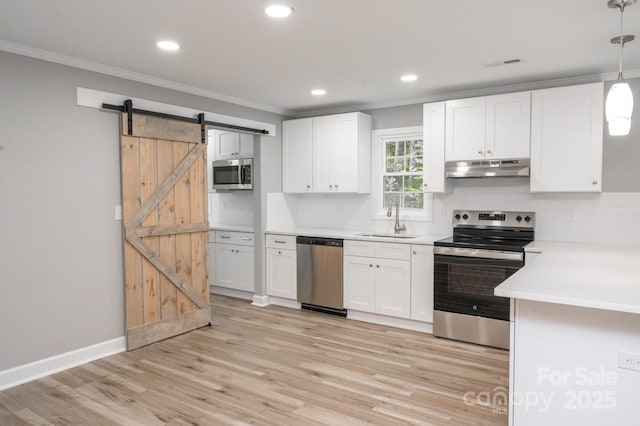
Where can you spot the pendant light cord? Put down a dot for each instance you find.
(621, 42)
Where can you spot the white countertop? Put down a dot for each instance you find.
(229, 227)
(588, 275)
(353, 235)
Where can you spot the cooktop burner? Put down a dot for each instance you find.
(491, 230)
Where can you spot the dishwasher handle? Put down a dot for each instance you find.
(317, 241)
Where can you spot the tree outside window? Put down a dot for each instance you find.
(403, 178)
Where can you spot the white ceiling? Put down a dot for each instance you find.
(355, 49)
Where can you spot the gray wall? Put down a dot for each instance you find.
(621, 154)
(60, 247)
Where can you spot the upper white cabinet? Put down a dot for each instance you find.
(339, 159)
(566, 139)
(433, 146)
(297, 155)
(488, 127)
(229, 145)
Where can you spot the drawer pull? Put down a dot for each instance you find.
(226, 237)
(280, 242)
(246, 239)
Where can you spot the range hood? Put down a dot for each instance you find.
(487, 168)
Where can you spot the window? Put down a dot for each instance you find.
(398, 173)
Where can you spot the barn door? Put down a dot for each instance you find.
(164, 213)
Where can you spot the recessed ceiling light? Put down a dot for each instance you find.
(409, 77)
(318, 92)
(279, 10)
(168, 45)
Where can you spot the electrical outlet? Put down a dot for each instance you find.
(571, 214)
(118, 213)
(629, 361)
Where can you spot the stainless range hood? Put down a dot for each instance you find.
(487, 168)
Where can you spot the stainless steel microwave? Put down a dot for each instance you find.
(234, 174)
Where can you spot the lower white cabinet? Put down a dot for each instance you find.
(377, 284)
(282, 278)
(233, 266)
(422, 283)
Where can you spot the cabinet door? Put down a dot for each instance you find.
(297, 154)
(335, 153)
(245, 270)
(566, 139)
(465, 129)
(359, 283)
(508, 126)
(245, 145)
(422, 283)
(227, 144)
(225, 265)
(393, 287)
(433, 146)
(281, 273)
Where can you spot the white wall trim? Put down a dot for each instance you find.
(47, 366)
(95, 98)
(223, 291)
(406, 324)
(287, 303)
(71, 61)
(260, 301)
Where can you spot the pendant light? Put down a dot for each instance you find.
(619, 103)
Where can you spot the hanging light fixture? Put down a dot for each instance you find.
(619, 104)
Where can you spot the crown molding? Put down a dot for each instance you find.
(485, 91)
(74, 62)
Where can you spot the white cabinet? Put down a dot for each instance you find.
(422, 283)
(297, 155)
(380, 284)
(340, 156)
(488, 127)
(281, 266)
(233, 266)
(433, 146)
(229, 145)
(566, 139)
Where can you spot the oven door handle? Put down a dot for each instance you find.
(478, 253)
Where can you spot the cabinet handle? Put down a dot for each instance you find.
(595, 182)
(377, 266)
(226, 237)
(489, 151)
(330, 186)
(308, 186)
(279, 252)
(280, 242)
(479, 151)
(246, 239)
(336, 186)
(415, 252)
(370, 266)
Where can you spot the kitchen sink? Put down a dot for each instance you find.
(373, 235)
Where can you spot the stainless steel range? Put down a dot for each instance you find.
(487, 247)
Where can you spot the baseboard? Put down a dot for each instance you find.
(223, 291)
(406, 324)
(260, 301)
(287, 303)
(47, 366)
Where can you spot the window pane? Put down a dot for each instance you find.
(392, 184)
(412, 183)
(415, 164)
(395, 165)
(389, 196)
(415, 148)
(413, 201)
(390, 149)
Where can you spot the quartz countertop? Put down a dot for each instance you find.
(598, 276)
(427, 239)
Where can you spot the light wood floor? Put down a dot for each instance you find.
(273, 366)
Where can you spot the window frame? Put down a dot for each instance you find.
(378, 138)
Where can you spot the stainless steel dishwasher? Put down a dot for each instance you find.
(320, 274)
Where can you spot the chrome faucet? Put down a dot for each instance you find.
(397, 227)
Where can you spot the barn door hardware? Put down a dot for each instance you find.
(128, 108)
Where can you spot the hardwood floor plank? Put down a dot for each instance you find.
(273, 366)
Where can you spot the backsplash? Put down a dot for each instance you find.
(599, 218)
(232, 208)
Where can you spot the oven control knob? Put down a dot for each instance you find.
(465, 216)
(527, 219)
(475, 307)
(457, 216)
(519, 218)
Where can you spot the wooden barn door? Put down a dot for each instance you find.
(164, 211)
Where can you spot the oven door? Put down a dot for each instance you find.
(464, 280)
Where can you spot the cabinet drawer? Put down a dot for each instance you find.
(232, 237)
(397, 251)
(359, 248)
(286, 242)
